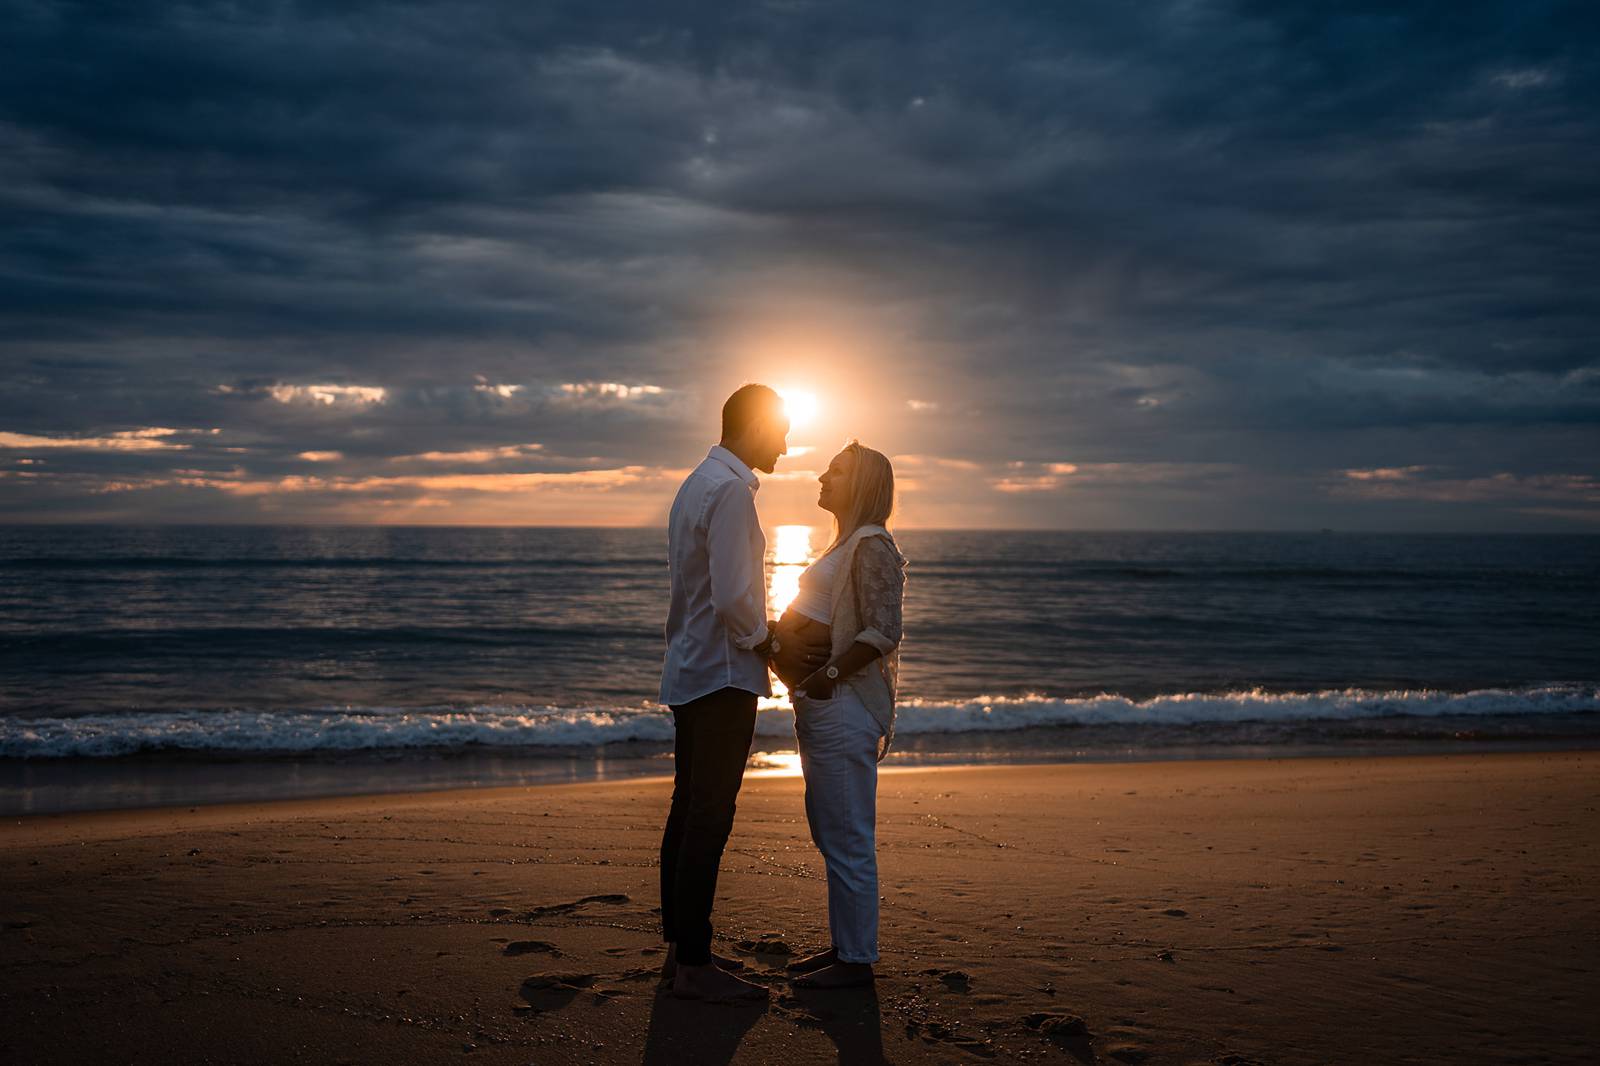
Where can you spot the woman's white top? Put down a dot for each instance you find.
(815, 598)
(868, 590)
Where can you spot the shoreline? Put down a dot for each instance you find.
(160, 781)
(1287, 911)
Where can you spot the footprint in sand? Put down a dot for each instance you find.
(552, 991)
(936, 1032)
(530, 947)
(1066, 1031)
(567, 908)
(955, 980)
(1056, 1026)
(643, 973)
(768, 944)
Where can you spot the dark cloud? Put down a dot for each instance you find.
(1281, 241)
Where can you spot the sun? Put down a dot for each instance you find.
(801, 407)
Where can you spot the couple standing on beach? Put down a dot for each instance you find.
(836, 649)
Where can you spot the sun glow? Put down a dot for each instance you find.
(800, 406)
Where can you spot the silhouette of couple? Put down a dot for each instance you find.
(836, 648)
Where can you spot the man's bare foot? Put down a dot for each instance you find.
(715, 985)
(838, 975)
(814, 962)
(669, 967)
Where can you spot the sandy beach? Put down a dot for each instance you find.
(1306, 911)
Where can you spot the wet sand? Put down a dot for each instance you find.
(1376, 910)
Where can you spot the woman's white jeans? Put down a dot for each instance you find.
(839, 757)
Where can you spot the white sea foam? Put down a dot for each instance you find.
(350, 730)
(1254, 705)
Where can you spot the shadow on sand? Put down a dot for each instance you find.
(683, 1030)
(850, 1018)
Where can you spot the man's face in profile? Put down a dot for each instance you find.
(773, 441)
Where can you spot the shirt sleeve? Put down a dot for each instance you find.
(737, 593)
(880, 584)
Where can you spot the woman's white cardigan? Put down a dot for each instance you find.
(868, 590)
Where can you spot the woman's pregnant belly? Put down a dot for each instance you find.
(796, 626)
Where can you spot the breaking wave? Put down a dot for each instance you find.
(345, 729)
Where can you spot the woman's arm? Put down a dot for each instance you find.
(856, 656)
(880, 587)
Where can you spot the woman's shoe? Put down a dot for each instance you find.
(814, 962)
(838, 975)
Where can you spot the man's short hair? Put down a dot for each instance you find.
(747, 404)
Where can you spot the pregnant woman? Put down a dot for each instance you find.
(844, 712)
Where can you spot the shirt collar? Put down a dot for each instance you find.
(734, 463)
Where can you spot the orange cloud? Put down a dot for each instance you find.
(1504, 487)
(609, 390)
(475, 455)
(150, 439)
(319, 395)
(592, 480)
(1384, 473)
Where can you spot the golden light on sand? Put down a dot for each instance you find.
(800, 406)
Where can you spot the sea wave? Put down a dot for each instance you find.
(1411, 574)
(201, 562)
(333, 730)
(278, 641)
(1253, 705)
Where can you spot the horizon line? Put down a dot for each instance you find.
(1307, 530)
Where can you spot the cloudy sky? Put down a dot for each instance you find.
(1116, 265)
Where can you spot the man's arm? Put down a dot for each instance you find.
(737, 592)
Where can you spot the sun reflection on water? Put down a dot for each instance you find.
(790, 555)
(774, 764)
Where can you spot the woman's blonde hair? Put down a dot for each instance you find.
(871, 493)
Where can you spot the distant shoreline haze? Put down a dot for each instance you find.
(1577, 530)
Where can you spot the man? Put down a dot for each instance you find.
(719, 643)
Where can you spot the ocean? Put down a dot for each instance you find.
(144, 665)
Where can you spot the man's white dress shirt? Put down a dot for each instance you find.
(719, 598)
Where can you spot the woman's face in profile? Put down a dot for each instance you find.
(835, 494)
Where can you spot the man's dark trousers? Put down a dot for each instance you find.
(710, 750)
